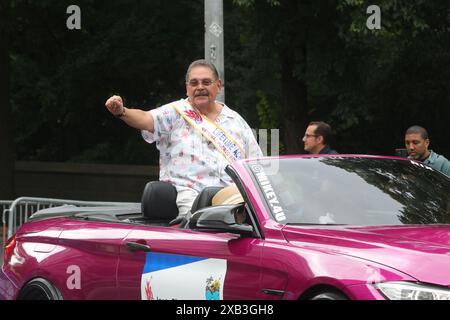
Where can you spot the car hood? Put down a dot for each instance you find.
(422, 252)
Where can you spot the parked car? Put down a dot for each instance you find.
(317, 227)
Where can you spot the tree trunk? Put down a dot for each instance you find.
(294, 106)
(7, 154)
(293, 55)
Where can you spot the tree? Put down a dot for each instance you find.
(289, 41)
(6, 137)
(370, 85)
(63, 77)
(288, 62)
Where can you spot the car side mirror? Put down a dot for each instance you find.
(220, 218)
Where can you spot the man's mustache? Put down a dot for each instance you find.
(201, 93)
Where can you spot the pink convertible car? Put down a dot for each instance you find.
(329, 227)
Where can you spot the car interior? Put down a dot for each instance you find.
(159, 208)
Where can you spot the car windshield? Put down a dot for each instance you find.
(352, 190)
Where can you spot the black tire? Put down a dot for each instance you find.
(39, 289)
(329, 296)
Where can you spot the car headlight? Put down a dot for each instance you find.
(412, 291)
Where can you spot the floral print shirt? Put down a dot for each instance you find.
(187, 158)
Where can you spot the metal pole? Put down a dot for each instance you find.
(214, 48)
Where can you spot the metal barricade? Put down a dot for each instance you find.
(18, 211)
(4, 206)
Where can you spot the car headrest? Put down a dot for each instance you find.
(204, 199)
(159, 201)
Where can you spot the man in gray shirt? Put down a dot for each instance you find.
(417, 143)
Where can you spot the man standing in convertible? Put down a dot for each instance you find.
(197, 137)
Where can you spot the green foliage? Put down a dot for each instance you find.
(398, 72)
(249, 3)
(62, 78)
(287, 62)
(267, 113)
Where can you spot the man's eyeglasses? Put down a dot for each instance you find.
(204, 82)
(310, 135)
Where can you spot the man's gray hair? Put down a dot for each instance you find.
(202, 63)
(418, 129)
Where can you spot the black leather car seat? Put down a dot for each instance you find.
(158, 204)
(204, 199)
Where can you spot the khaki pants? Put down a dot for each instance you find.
(185, 198)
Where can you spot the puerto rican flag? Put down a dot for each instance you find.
(178, 277)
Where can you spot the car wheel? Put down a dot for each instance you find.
(329, 296)
(39, 289)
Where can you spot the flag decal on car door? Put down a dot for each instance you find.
(178, 277)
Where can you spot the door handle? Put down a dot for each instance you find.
(136, 246)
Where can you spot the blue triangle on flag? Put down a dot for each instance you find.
(160, 261)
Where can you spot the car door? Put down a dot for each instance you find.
(85, 262)
(168, 263)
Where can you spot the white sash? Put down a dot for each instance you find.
(227, 146)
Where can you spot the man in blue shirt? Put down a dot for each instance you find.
(417, 143)
(317, 138)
